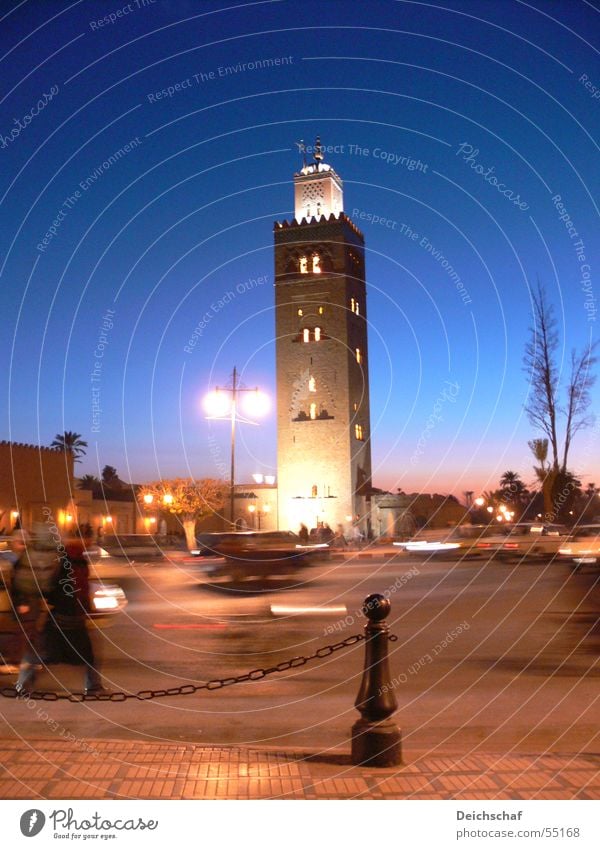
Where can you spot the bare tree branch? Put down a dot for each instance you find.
(539, 363)
(581, 381)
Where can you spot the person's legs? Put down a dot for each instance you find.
(27, 669)
(92, 679)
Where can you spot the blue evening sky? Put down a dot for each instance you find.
(176, 231)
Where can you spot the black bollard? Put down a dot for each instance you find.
(376, 741)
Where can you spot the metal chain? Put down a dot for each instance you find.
(186, 689)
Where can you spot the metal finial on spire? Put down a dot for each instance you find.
(302, 149)
(318, 150)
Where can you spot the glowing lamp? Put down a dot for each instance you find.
(256, 403)
(218, 404)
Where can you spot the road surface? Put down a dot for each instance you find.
(489, 657)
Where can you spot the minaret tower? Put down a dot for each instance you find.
(323, 423)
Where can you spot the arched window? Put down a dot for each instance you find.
(316, 264)
(306, 335)
(317, 334)
(358, 432)
(312, 384)
(303, 265)
(313, 411)
(359, 358)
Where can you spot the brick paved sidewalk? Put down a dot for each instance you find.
(117, 769)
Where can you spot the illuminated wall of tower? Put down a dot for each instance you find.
(323, 422)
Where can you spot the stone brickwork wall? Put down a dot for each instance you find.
(33, 477)
(322, 452)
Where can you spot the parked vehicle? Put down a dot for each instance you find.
(582, 545)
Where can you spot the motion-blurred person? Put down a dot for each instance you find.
(9, 641)
(34, 578)
(65, 638)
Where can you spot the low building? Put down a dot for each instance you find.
(36, 485)
(255, 507)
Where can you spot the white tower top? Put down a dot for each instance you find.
(318, 189)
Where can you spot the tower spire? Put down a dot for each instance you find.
(318, 189)
(318, 150)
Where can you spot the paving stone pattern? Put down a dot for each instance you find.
(100, 769)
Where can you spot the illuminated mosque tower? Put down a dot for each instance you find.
(323, 423)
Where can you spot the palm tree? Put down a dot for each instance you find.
(70, 441)
(513, 489)
(509, 479)
(545, 473)
(88, 482)
(110, 478)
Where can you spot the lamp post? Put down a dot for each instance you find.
(258, 511)
(222, 404)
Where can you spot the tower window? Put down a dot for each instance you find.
(355, 405)
(354, 306)
(300, 312)
(314, 490)
(313, 411)
(352, 302)
(358, 432)
(316, 264)
(321, 310)
(359, 357)
(312, 384)
(310, 334)
(303, 265)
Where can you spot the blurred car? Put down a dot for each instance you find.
(139, 546)
(462, 541)
(523, 540)
(256, 553)
(582, 545)
(213, 544)
(106, 599)
(7, 555)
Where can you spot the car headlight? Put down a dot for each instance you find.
(105, 603)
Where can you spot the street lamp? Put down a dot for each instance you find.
(222, 404)
(253, 509)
